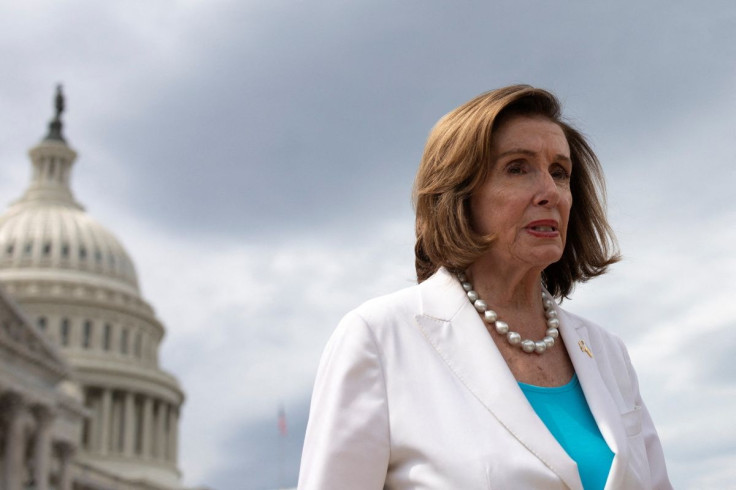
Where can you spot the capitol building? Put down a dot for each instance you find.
(84, 404)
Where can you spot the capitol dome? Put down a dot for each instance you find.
(39, 236)
(73, 279)
(48, 229)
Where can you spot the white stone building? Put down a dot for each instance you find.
(83, 402)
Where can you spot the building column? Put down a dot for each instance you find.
(66, 451)
(104, 422)
(173, 434)
(42, 447)
(147, 426)
(93, 421)
(128, 424)
(165, 432)
(116, 417)
(15, 443)
(157, 425)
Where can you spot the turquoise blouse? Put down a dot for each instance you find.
(565, 412)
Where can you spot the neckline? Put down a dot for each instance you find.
(570, 385)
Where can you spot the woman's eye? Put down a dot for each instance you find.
(515, 168)
(559, 173)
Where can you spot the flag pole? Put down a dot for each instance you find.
(282, 435)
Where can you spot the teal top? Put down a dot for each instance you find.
(565, 412)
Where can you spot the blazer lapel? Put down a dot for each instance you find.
(583, 353)
(456, 331)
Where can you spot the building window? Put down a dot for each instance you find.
(86, 434)
(65, 250)
(47, 249)
(64, 332)
(82, 253)
(106, 337)
(29, 247)
(41, 322)
(87, 334)
(138, 344)
(9, 249)
(124, 341)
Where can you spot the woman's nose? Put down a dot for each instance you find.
(548, 194)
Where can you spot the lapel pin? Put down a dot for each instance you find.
(585, 349)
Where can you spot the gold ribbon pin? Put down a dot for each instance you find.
(585, 349)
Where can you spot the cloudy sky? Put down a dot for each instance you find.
(256, 158)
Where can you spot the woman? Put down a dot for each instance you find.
(475, 378)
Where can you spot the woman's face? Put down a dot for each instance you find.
(525, 201)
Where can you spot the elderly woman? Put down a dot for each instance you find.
(475, 378)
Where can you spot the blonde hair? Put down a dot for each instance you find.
(456, 162)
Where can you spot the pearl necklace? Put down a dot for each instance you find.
(502, 328)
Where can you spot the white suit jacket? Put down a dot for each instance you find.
(412, 393)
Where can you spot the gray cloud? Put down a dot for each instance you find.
(310, 114)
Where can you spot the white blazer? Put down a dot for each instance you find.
(412, 393)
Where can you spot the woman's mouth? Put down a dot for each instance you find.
(543, 228)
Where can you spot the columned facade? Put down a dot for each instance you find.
(41, 410)
(77, 289)
(131, 425)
